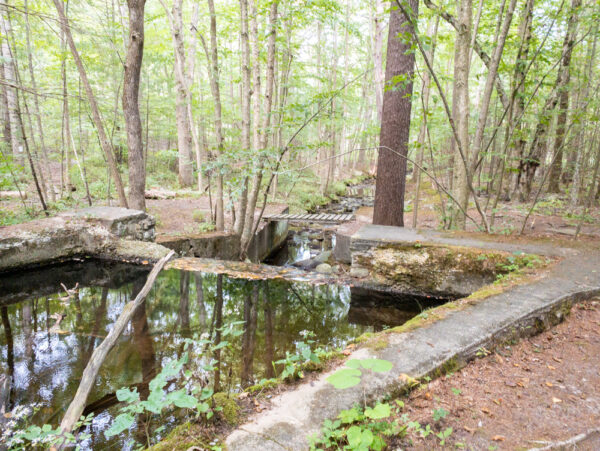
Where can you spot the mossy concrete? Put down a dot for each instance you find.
(442, 344)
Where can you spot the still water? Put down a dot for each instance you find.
(48, 334)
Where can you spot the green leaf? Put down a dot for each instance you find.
(155, 402)
(377, 365)
(182, 400)
(350, 416)
(344, 378)
(379, 411)
(122, 422)
(128, 396)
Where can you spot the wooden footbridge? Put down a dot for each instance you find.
(323, 218)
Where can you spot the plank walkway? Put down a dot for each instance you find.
(320, 218)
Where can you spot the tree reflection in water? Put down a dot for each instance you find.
(46, 363)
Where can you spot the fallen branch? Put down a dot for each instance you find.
(572, 442)
(99, 355)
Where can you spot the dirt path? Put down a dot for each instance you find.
(543, 389)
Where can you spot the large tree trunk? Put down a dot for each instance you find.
(104, 143)
(395, 125)
(131, 110)
(460, 111)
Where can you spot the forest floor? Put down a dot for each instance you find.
(526, 395)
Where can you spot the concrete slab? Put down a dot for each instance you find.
(455, 339)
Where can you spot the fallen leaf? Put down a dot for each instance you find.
(549, 384)
(516, 364)
(346, 352)
(498, 438)
(468, 429)
(243, 395)
(486, 410)
(557, 359)
(550, 367)
(498, 401)
(498, 358)
(556, 400)
(427, 395)
(510, 384)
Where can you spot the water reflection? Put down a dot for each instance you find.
(48, 337)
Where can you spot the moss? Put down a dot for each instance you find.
(181, 438)
(264, 384)
(229, 410)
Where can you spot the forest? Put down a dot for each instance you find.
(365, 211)
(478, 103)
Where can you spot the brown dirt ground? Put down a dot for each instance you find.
(542, 389)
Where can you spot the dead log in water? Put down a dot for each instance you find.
(101, 352)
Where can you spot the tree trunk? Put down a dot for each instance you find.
(529, 165)
(11, 95)
(246, 97)
(36, 107)
(131, 110)
(261, 135)
(104, 143)
(425, 91)
(215, 89)
(378, 57)
(460, 111)
(395, 125)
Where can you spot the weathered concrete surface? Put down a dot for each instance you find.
(219, 245)
(226, 245)
(77, 234)
(448, 342)
(121, 222)
(433, 262)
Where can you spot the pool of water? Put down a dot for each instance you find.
(48, 334)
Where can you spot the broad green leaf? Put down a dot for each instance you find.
(350, 416)
(122, 422)
(376, 365)
(182, 400)
(379, 411)
(345, 378)
(128, 396)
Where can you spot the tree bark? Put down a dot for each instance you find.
(104, 143)
(11, 95)
(395, 125)
(216, 92)
(261, 128)
(246, 97)
(563, 98)
(131, 110)
(378, 57)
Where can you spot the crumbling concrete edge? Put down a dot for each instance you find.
(432, 350)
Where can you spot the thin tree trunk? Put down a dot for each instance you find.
(36, 107)
(261, 134)
(378, 57)
(131, 109)
(246, 97)
(213, 72)
(104, 143)
(425, 91)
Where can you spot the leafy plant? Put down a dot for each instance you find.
(292, 363)
(18, 435)
(349, 377)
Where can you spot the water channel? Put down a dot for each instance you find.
(54, 317)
